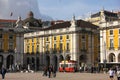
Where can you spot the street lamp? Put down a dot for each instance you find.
(64, 62)
(16, 55)
(36, 59)
(104, 61)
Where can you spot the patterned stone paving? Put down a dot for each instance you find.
(60, 76)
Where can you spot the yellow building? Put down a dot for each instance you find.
(103, 15)
(110, 43)
(72, 40)
(7, 43)
(12, 43)
(109, 36)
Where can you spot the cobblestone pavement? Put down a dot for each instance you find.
(60, 76)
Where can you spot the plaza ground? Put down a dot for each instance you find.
(60, 76)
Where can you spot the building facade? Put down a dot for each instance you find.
(71, 40)
(12, 43)
(103, 15)
(110, 42)
(108, 22)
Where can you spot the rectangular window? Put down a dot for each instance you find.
(11, 45)
(119, 31)
(32, 40)
(55, 38)
(27, 48)
(60, 37)
(1, 35)
(111, 43)
(67, 37)
(47, 47)
(111, 32)
(0, 45)
(68, 47)
(83, 37)
(32, 48)
(37, 40)
(83, 45)
(27, 40)
(37, 48)
(47, 39)
(61, 45)
(119, 42)
(10, 36)
(54, 46)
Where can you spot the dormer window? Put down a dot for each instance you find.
(60, 37)
(55, 38)
(111, 32)
(67, 36)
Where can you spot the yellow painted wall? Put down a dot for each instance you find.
(96, 45)
(116, 32)
(5, 37)
(115, 38)
(107, 39)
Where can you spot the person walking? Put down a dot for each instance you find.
(45, 71)
(118, 74)
(50, 71)
(54, 71)
(3, 72)
(111, 74)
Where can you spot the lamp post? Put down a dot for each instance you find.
(36, 58)
(16, 55)
(104, 61)
(36, 61)
(64, 61)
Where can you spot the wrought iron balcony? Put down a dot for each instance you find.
(118, 48)
(67, 51)
(83, 50)
(111, 48)
(10, 50)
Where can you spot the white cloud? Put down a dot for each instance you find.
(25, 3)
(19, 8)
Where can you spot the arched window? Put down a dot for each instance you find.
(119, 57)
(111, 57)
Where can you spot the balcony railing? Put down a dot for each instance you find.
(83, 50)
(67, 51)
(111, 48)
(118, 48)
(11, 50)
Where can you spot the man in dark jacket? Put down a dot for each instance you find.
(3, 72)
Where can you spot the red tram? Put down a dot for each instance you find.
(68, 66)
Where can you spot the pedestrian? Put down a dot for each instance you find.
(118, 74)
(80, 69)
(50, 71)
(45, 71)
(111, 74)
(3, 72)
(92, 69)
(54, 71)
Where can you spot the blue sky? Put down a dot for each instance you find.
(64, 9)
(55, 9)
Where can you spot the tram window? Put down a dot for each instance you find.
(62, 65)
